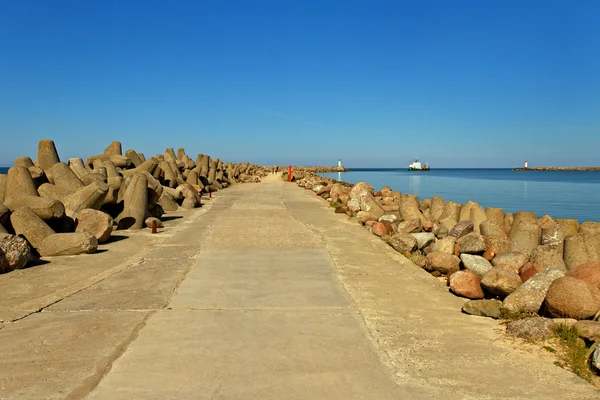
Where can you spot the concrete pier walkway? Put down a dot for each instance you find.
(265, 294)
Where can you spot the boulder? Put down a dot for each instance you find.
(466, 284)
(16, 251)
(533, 328)
(388, 217)
(370, 205)
(403, 242)
(95, 222)
(528, 270)
(379, 229)
(424, 239)
(360, 187)
(26, 223)
(570, 297)
(410, 226)
(153, 220)
(588, 272)
(445, 245)
(512, 260)
(596, 358)
(461, 229)
(476, 264)
(501, 282)
(441, 262)
(471, 243)
(531, 294)
(483, 308)
(588, 330)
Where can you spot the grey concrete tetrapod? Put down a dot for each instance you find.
(47, 155)
(135, 204)
(3, 180)
(114, 148)
(134, 156)
(19, 183)
(27, 224)
(65, 178)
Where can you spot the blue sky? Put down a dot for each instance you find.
(457, 83)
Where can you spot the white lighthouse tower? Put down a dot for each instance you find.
(339, 163)
(526, 164)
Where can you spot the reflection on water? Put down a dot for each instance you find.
(414, 184)
(339, 178)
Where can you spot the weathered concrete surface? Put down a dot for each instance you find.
(265, 293)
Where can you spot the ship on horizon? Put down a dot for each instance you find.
(417, 166)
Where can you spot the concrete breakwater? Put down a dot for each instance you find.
(52, 208)
(544, 273)
(557, 169)
(315, 169)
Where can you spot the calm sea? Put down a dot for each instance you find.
(560, 194)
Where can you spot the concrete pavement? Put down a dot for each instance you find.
(264, 294)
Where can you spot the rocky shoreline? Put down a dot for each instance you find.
(52, 208)
(557, 169)
(539, 274)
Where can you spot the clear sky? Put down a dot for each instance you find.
(463, 83)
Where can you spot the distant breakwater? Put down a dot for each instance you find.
(316, 168)
(557, 169)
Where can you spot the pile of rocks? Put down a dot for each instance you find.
(505, 263)
(52, 208)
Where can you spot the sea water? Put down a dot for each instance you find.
(560, 194)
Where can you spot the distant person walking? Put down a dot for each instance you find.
(276, 170)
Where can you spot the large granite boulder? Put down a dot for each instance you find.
(95, 222)
(533, 328)
(513, 260)
(531, 294)
(403, 242)
(483, 308)
(461, 229)
(16, 251)
(501, 282)
(477, 264)
(424, 239)
(471, 243)
(588, 272)
(570, 297)
(466, 284)
(441, 262)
